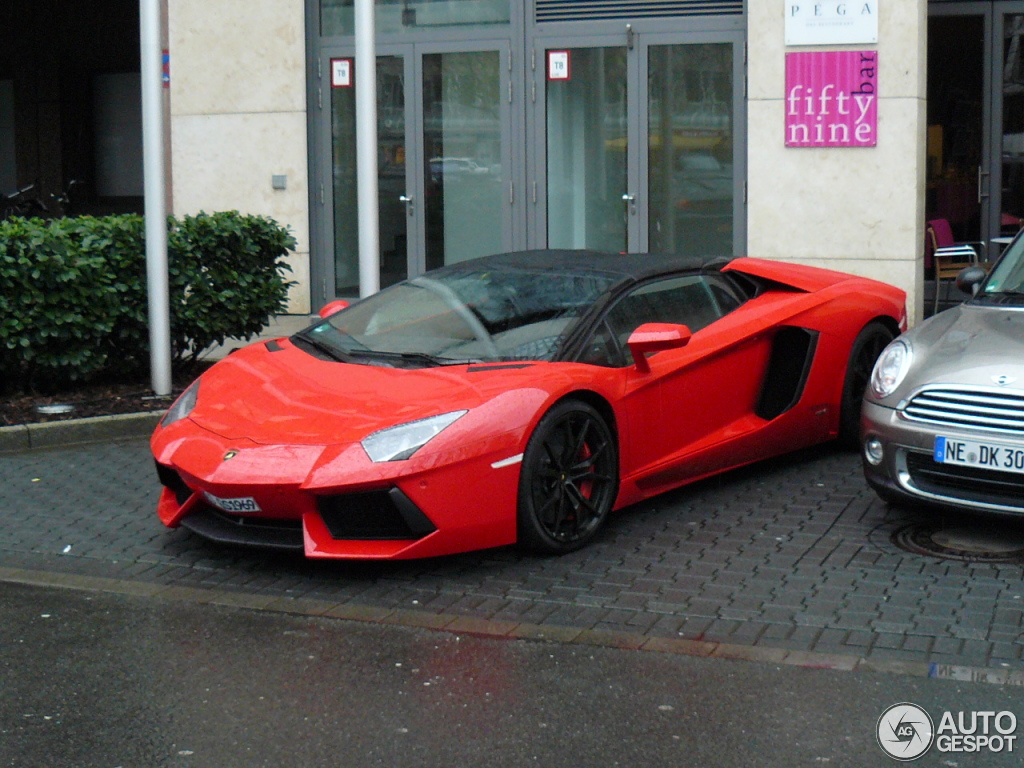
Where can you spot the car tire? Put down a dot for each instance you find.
(866, 348)
(569, 479)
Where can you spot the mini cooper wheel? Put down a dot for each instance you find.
(865, 351)
(569, 479)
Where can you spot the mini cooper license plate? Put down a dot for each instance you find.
(239, 505)
(969, 453)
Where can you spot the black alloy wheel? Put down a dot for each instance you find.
(865, 351)
(569, 479)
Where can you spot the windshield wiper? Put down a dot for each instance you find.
(422, 357)
(322, 346)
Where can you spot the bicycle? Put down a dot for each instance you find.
(22, 203)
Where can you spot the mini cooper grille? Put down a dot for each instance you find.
(373, 516)
(955, 482)
(988, 409)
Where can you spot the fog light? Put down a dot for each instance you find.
(874, 452)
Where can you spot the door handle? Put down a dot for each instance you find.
(631, 201)
(982, 194)
(408, 203)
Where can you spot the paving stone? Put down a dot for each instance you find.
(792, 557)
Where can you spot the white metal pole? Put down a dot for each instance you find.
(366, 148)
(151, 55)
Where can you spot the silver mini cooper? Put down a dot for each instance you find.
(943, 415)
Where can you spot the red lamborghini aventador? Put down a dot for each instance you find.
(517, 398)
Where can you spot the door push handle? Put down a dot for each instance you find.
(631, 201)
(982, 183)
(407, 201)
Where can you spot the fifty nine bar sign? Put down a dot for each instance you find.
(832, 99)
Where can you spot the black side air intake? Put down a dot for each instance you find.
(788, 368)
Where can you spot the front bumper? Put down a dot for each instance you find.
(332, 501)
(908, 471)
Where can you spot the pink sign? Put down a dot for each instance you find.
(832, 99)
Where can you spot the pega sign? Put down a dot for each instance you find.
(832, 99)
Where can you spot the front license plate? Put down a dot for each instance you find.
(242, 504)
(968, 453)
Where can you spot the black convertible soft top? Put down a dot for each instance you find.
(630, 266)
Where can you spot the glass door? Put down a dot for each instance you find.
(959, 172)
(1009, 114)
(637, 149)
(975, 147)
(589, 204)
(443, 160)
(692, 154)
(393, 174)
(464, 157)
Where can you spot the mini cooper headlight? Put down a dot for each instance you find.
(183, 406)
(891, 368)
(401, 442)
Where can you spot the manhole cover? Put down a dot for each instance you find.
(982, 544)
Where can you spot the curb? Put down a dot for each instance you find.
(506, 630)
(54, 434)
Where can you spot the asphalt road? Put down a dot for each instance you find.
(93, 680)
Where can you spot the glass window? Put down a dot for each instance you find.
(464, 178)
(690, 149)
(686, 300)
(8, 165)
(586, 151)
(1007, 279)
(337, 17)
(390, 181)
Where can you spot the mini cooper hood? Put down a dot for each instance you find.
(288, 396)
(969, 344)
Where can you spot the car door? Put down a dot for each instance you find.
(693, 399)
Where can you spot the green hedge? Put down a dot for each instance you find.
(73, 296)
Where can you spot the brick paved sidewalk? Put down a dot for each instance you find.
(791, 555)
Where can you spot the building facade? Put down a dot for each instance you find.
(507, 124)
(626, 125)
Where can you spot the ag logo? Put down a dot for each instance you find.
(905, 731)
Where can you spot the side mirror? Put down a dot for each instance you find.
(969, 279)
(654, 337)
(332, 308)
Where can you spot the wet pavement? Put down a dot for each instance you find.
(791, 561)
(98, 680)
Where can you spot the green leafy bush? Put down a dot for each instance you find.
(73, 295)
(225, 278)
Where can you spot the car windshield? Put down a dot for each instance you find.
(1006, 282)
(462, 316)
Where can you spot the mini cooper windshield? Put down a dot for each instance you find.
(1006, 283)
(462, 316)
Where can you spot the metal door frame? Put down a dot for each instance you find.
(536, 138)
(321, 141)
(737, 41)
(984, 9)
(994, 132)
(637, 44)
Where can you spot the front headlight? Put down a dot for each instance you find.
(182, 406)
(401, 442)
(891, 368)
